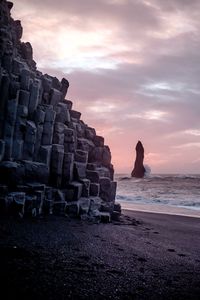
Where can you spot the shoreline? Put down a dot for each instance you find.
(160, 209)
(142, 256)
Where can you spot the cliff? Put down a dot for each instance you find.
(50, 160)
(139, 169)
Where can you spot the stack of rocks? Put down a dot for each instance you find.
(50, 160)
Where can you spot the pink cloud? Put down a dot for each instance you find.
(133, 68)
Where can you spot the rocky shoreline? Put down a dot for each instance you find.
(50, 160)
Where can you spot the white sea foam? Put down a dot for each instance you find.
(169, 191)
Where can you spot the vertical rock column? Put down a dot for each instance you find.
(11, 113)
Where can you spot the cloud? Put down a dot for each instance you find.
(133, 68)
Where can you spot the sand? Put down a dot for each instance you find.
(144, 256)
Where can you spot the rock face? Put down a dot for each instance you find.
(50, 160)
(139, 169)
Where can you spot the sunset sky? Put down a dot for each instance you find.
(134, 72)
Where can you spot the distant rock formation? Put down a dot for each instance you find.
(139, 169)
(50, 160)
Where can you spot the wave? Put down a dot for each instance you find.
(166, 189)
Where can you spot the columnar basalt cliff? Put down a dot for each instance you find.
(50, 160)
(139, 169)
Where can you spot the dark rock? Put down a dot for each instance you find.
(105, 217)
(84, 205)
(93, 176)
(98, 141)
(72, 209)
(17, 204)
(56, 84)
(68, 168)
(76, 191)
(30, 139)
(44, 155)
(17, 149)
(30, 206)
(85, 145)
(117, 207)
(81, 156)
(55, 97)
(58, 135)
(36, 172)
(44, 146)
(69, 104)
(25, 79)
(91, 167)
(107, 189)
(2, 149)
(24, 98)
(94, 189)
(34, 97)
(65, 86)
(90, 133)
(4, 90)
(79, 170)
(75, 114)
(10, 5)
(11, 173)
(27, 51)
(18, 29)
(62, 113)
(57, 157)
(86, 187)
(139, 169)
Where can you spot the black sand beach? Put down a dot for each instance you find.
(144, 256)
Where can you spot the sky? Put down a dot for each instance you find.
(134, 72)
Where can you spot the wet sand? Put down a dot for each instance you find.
(142, 256)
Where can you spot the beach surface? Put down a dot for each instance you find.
(141, 256)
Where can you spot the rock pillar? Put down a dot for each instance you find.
(139, 169)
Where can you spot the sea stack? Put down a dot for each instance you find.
(139, 169)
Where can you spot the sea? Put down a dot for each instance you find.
(170, 193)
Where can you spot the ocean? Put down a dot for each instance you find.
(171, 194)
